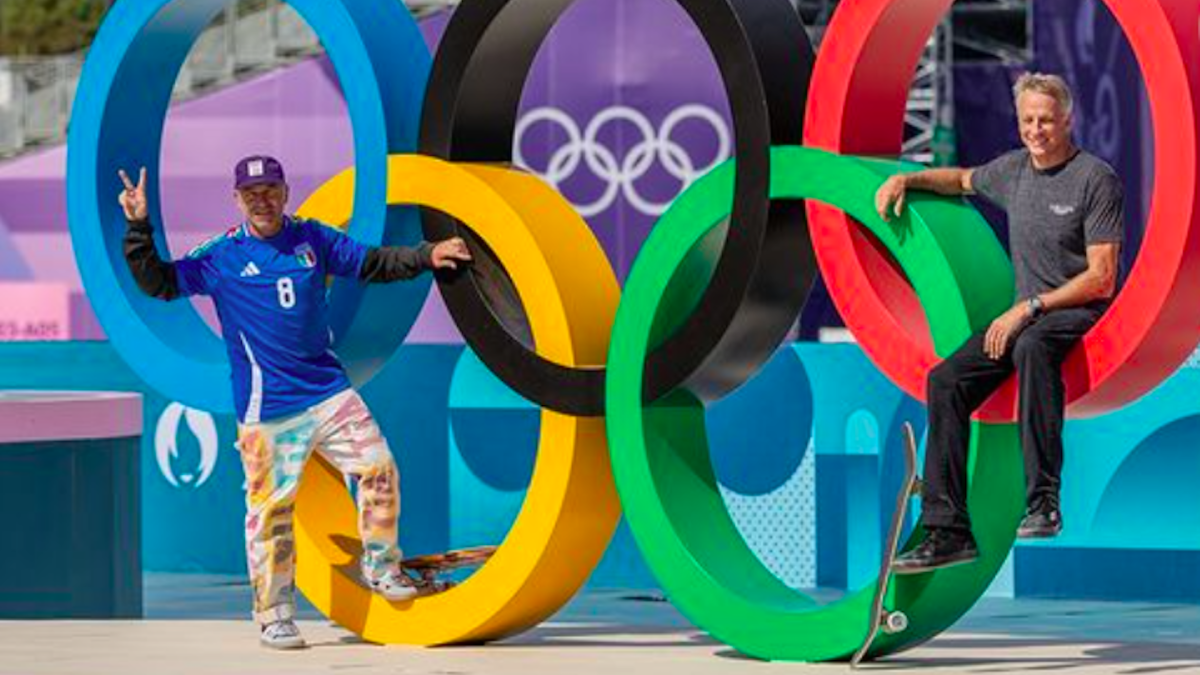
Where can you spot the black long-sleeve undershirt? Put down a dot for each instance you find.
(384, 264)
(157, 277)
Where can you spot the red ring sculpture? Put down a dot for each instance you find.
(856, 107)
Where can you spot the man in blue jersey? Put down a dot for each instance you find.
(266, 277)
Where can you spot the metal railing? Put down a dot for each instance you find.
(35, 100)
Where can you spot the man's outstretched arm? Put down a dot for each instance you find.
(890, 198)
(392, 263)
(384, 264)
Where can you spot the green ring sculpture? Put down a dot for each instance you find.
(963, 279)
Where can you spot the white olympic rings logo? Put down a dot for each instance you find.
(621, 175)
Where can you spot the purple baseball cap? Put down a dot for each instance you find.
(258, 170)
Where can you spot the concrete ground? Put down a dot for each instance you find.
(196, 624)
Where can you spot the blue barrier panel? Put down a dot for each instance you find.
(811, 491)
(70, 503)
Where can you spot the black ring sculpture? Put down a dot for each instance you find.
(766, 264)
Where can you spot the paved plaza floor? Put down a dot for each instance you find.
(196, 624)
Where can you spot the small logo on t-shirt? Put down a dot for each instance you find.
(250, 270)
(305, 254)
(1062, 209)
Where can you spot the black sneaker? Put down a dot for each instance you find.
(1042, 523)
(940, 548)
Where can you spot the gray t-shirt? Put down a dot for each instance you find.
(1053, 215)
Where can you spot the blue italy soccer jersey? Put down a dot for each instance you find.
(271, 298)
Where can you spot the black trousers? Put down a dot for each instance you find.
(964, 380)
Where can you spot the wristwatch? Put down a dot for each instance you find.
(1036, 306)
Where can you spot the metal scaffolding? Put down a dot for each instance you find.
(929, 114)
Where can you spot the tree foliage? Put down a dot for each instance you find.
(40, 27)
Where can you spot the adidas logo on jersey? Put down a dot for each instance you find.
(250, 270)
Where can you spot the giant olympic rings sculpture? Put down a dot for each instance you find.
(704, 306)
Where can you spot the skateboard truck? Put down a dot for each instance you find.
(892, 622)
(428, 583)
(426, 570)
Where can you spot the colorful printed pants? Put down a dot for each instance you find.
(273, 454)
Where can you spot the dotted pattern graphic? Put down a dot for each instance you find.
(781, 526)
(1192, 362)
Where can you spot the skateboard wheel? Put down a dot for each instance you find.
(895, 622)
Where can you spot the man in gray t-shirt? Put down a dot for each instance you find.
(1066, 224)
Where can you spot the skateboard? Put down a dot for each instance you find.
(426, 570)
(892, 622)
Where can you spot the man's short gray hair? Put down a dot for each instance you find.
(1050, 85)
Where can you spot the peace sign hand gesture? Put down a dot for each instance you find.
(133, 197)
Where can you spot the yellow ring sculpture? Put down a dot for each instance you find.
(570, 295)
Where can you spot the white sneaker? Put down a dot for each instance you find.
(281, 635)
(396, 586)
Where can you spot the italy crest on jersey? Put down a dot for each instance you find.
(305, 254)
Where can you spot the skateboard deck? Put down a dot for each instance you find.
(427, 569)
(881, 618)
